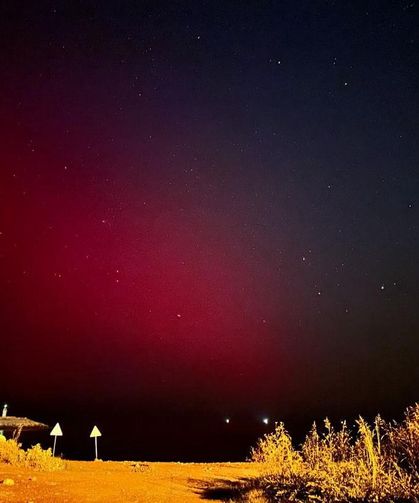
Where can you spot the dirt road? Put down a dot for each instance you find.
(125, 482)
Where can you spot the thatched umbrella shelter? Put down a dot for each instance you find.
(18, 424)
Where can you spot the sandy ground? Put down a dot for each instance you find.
(126, 482)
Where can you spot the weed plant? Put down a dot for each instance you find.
(376, 462)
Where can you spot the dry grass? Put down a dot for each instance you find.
(34, 457)
(375, 463)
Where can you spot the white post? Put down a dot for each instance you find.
(55, 441)
(96, 447)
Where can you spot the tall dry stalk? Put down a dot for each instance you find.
(366, 443)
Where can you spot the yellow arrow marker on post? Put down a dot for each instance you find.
(56, 432)
(94, 434)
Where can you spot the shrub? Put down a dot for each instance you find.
(10, 452)
(276, 453)
(41, 459)
(35, 457)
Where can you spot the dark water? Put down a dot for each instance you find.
(157, 433)
(163, 439)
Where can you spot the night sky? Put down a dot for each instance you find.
(207, 210)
